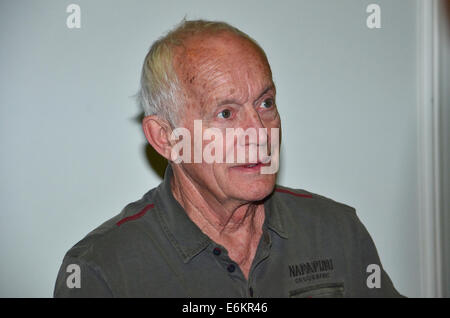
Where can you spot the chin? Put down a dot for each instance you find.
(256, 191)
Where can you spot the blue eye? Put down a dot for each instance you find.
(226, 113)
(267, 103)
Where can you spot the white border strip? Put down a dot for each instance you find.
(428, 150)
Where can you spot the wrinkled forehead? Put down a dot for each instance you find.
(225, 64)
(198, 49)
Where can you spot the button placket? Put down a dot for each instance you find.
(223, 259)
(261, 254)
(217, 251)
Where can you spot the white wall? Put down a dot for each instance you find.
(72, 151)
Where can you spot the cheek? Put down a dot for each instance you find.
(229, 145)
(220, 147)
(271, 119)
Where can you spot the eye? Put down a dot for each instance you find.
(226, 113)
(267, 103)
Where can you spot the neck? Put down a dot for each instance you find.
(234, 224)
(216, 217)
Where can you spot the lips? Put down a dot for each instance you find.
(252, 167)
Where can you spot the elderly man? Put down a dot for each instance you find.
(222, 227)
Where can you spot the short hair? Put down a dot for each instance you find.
(160, 90)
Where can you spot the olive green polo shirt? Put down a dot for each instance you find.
(311, 246)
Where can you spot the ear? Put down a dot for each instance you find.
(157, 131)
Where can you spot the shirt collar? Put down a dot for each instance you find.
(184, 234)
(275, 218)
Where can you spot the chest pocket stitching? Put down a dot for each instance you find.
(321, 290)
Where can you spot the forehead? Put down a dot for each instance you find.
(219, 66)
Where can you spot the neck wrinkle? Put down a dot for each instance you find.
(210, 221)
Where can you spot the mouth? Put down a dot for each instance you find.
(253, 167)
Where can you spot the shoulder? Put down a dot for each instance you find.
(115, 234)
(106, 254)
(302, 198)
(302, 208)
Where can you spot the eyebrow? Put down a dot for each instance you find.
(228, 101)
(268, 88)
(234, 101)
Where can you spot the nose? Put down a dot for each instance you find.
(253, 121)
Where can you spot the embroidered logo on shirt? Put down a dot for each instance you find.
(312, 270)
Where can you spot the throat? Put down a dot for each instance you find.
(237, 227)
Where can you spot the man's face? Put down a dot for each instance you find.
(228, 84)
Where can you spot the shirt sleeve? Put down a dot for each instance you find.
(77, 279)
(376, 282)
